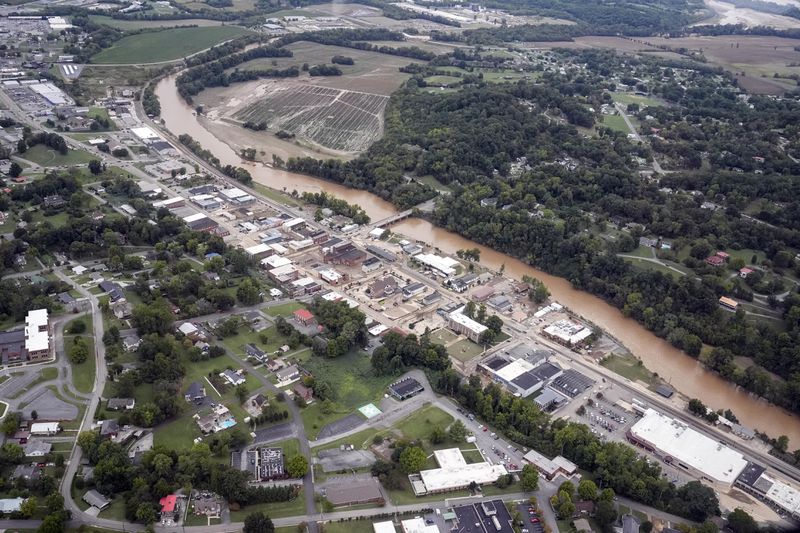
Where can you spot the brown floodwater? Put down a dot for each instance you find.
(683, 372)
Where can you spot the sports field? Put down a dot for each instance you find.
(166, 45)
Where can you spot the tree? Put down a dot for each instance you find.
(28, 507)
(95, 166)
(54, 502)
(587, 490)
(52, 523)
(438, 435)
(412, 459)
(258, 523)
(697, 407)
(241, 392)
(605, 514)
(457, 431)
(739, 521)
(529, 478)
(78, 351)
(297, 466)
(248, 292)
(14, 170)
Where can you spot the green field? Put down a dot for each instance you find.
(643, 101)
(465, 350)
(83, 374)
(284, 309)
(142, 24)
(616, 123)
(629, 367)
(47, 157)
(166, 45)
(419, 425)
(354, 384)
(441, 80)
(274, 510)
(658, 267)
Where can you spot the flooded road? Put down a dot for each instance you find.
(684, 373)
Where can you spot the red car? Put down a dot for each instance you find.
(534, 520)
(485, 429)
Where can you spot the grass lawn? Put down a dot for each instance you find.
(465, 350)
(290, 446)
(45, 374)
(629, 367)
(350, 526)
(178, 434)
(165, 45)
(274, 510)
(115, 511)
(284, 309)
(246, 336)
(354, 383)
(195, 520)
(746, 255)
(443, 336)
(642, 251)
(83, 374)
(616, 123)
(47, 157)
(658, 267)
(278, 196)
(360, 440)
(419, 425)
(643, 101)
(441, 80)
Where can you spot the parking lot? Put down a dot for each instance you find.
(532, 521)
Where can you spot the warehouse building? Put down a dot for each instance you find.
(567, 333)
(678, 444)
(461, 323)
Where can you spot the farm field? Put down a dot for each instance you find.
(340, 120)
(140, 24)
(166, 45)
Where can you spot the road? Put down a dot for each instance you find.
(97, 391)
(656, 165)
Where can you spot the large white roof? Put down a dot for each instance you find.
(445, 265)
(418, 525)
(144, 132)
(690, 447)
(258, 249)
(455, 473)
(514, 369)
(37, 336)
(460, 318)
(384, 527)
(275, 261)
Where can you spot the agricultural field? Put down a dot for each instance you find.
(123, 24)
(166, 45)
(342, 120)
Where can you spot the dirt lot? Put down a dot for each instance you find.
(726, 13)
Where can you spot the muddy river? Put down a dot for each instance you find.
(684, 373)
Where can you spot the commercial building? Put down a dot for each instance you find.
(454, 473)
(382, 527)
(680, 445)
(520, 376)
(237, 196)
(200, 222)
(461, 323)
(444, 266)
(484, 517)
(259, 251)
(270, 464)
(777, 494)
(550, 468)
(418, 525)
(31, 343)
(354, 492)
(405, 388)
(45, 428)
(567, 333)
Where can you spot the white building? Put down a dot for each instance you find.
(144, 133)
(418, 525)
(682, 446)
(454, 473)
(12, 505)
(45, 428)
(258, 251)
(444, 265)
(461, 323)
(383, 527)
(37, 334)
(568, 333)
(275, 261)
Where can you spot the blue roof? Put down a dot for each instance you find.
(212, 254)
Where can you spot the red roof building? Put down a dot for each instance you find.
(167, 503)
(715, 261)
(304, 316)
(724, 255)
(744, 272)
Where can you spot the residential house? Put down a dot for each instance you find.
(54, 201)
(306, 393)
(10, 505)
(195, 393)
(109, 429)
(131, 342)
(122, 309)
(383, 287)
(207, 506)
(744, 272)
(304, 316)
(254, 351)
(259, 401)
(26, 472)
(288, 374)
(120, 404)
(95, 499)
(234, 378)
(169, 508)
(217, 419)
(191, 331)
(37, 448)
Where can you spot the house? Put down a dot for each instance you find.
(131, 342)
(413, 289)
(79, 269)
(54, 201)
(744, 272)
(190, 330)
(500, 303)
(122, 309)
(66, 298)
(254, 351)
(306, 393)
(259, 401)
(45, 428)
(304, 316)
(95, 499)
(583, 508)
(119, 404)
(207, 506)
(715, 261)
(215, 420)
(10, 505)
(37, 448)
(630, 524)
(728, 303)
(109, 429)
(234, 378)
(383, 287)
(169, 507)
(21, 436)
(370, 265)
(195, 393)
(582, 526)
(288, 374)
(26, 472)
